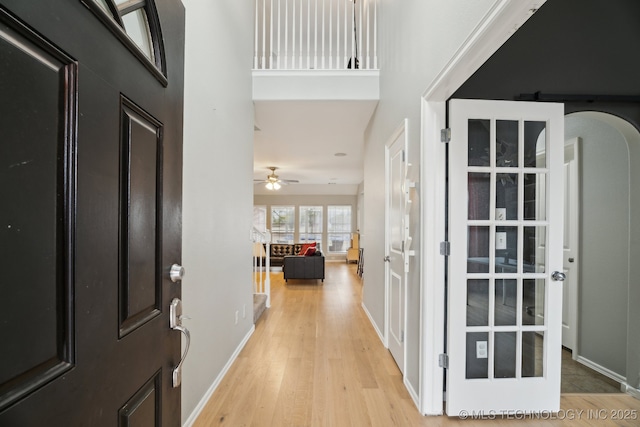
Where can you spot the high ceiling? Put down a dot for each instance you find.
(302, 138)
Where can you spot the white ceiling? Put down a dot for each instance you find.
(301, 139)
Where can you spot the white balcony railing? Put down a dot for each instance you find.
(315, 35)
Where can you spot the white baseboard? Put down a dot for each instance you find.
(375, 327)
(631, 391)
(414, 394)
(200, 406)
(604, 371)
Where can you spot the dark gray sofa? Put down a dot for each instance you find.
(281, 250)
(304, 267)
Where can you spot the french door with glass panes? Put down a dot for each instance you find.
(505, 228)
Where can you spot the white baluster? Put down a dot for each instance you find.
(279, 31)
(308, 34)
(293, 35)
(359, 40)
(268, 267)
(315, 35)
(323, 24)
(264, 36)
(346, 33)
(375, 34)
(338, 35)
(300, 25)
(255, 42)
(368, 12)
(331, 36)
(300, 31)
(271, 38)
(286, 34)
(353, 33)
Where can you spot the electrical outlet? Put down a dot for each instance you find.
(481, 349)
(501, 240)
(237, 316)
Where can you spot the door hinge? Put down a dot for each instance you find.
(445, 248)
(443, 361)
(445, 135)
(401, 336)
(403, 158)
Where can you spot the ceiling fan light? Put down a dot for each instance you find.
(269, 185)
(276, 186)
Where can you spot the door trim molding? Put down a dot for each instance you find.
(575, 144)
(499, 23)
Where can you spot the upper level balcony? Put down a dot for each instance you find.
(306, 50)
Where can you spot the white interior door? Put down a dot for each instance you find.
(570, 245)
(396, 275)
(505, 228)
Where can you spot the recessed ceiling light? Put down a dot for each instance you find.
(340, 154)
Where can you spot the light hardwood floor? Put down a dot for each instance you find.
(315, 360)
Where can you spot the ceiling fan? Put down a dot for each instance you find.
(273, 182)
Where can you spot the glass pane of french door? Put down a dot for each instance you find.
(502, 199)
(501, 304)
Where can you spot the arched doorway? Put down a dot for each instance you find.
(604, 146)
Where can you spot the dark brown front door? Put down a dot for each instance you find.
(90, 211)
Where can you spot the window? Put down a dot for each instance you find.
(339, 228)
(283, 224)
(260, 218)
(310, 224)
(136, 24)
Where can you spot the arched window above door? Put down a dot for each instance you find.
(137, 25)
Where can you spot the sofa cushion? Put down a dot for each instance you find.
(311, 250)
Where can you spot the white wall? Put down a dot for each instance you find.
(416, 40)
(604, 247)
(218, 189)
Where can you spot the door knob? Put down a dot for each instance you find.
(558, 276)
(176, 272)
(387, 259)
(571, 259)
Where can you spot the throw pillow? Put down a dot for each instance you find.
(310, 251)
(305, 246)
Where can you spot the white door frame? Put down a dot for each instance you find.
(500, 22)
(572, 233)
(402, 128)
